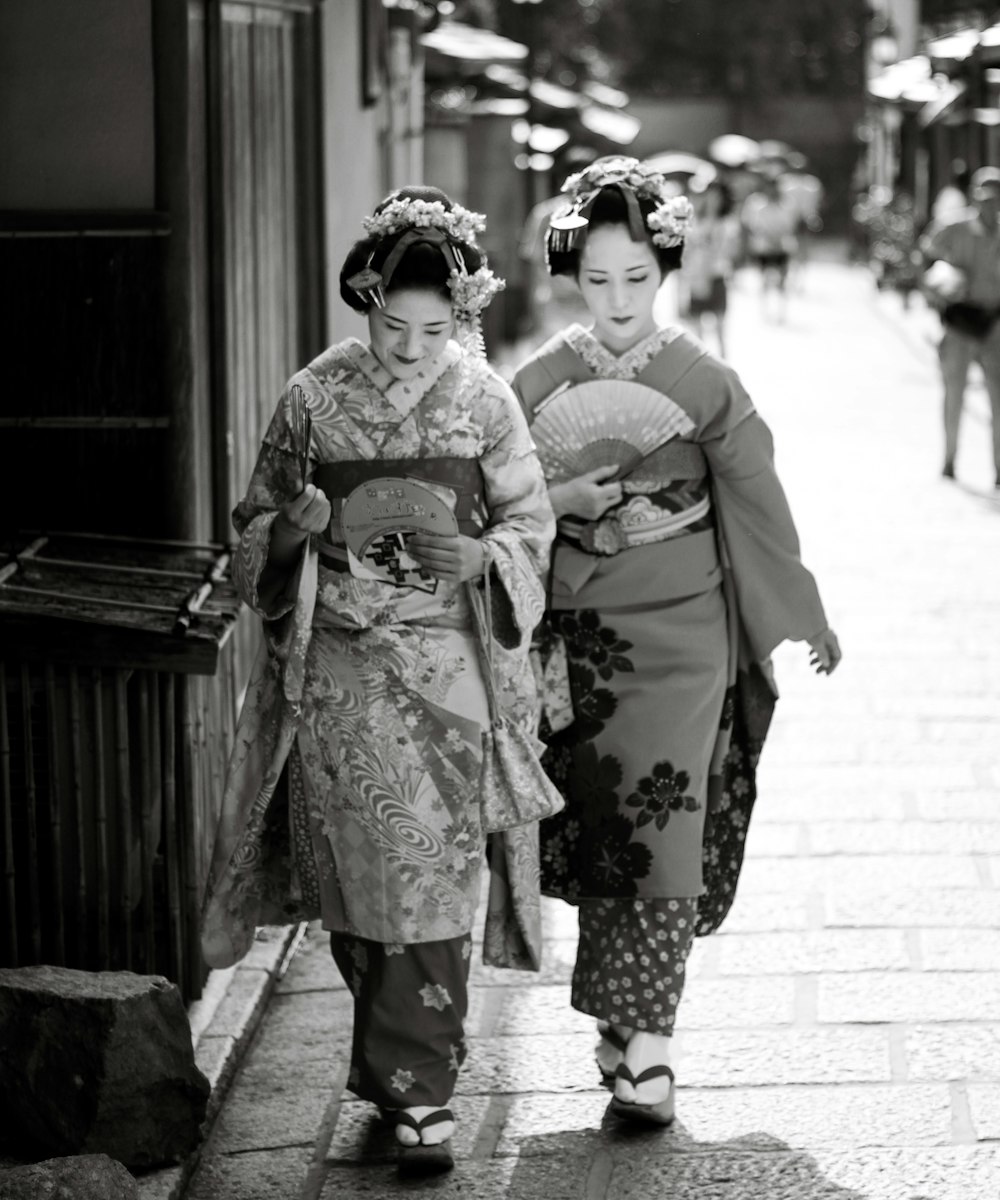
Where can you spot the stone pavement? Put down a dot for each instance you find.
(840, 1038)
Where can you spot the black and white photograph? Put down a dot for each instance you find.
(500, 599)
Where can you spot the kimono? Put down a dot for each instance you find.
(352, 788)
(654, 656)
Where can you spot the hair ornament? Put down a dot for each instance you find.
(457, 222)
(666, 226)
(671, 221)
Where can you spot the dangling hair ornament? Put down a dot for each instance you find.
(667, 225)
(429, 222)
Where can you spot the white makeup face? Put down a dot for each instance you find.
(412, 329)
(619, 280)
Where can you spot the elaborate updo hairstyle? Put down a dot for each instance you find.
(422, 266)
(609, 208)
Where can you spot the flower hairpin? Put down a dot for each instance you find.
(670, 222)
(472, 292)
(405, 213)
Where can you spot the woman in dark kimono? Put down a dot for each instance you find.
(353, 791)
(671, 585)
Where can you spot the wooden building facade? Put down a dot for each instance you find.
(179, 183)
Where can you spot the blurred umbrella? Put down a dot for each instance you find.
(679, 162)
(733, 150)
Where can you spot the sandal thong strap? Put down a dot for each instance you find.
(658, 1072)
(402, 1117)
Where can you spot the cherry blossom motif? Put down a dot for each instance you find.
(660, 793)
(435, 996)
(467, 950)
(453, 1060)
(402, 1081)
(394, 948)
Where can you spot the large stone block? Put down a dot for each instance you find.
(85, 1177)
(97, 1062)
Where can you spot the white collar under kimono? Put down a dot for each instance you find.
(606, 365)
(402, 394)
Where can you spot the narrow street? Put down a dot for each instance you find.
(840, 1038)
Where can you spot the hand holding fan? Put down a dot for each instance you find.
(603, 422)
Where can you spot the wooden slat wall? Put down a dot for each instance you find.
(264, 111)
(110, 783)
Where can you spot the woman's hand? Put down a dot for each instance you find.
(453, 557)
(587, 495)
(308, 513)
(825, 652)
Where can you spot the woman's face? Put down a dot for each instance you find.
(412, 329)
(619, 280)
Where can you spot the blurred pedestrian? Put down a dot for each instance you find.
(710, 255)
(674, 576)
(771, 222)
(953, 198)
(963, 282)
(368, 702)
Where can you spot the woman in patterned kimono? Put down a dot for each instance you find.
(671, 584)
(353, 788)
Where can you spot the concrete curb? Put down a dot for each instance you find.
(223, 1024)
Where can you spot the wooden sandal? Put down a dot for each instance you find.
(661, 1113)
(423, 1159)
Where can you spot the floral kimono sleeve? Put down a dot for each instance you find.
(519, 536)
(276, 478)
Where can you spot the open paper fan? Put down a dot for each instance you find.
(608, 421)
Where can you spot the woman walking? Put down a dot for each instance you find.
(353, 791)
(673, 578)
(710, 253)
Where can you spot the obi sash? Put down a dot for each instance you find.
(669, 497)
(463, 477)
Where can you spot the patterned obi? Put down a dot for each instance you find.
(666, 496)
(458, 481)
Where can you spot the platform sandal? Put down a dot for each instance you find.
(422, 1159)
(661, 1113)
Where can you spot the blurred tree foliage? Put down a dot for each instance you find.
(691, 47)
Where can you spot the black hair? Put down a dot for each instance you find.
(422, 266)
(609, 208)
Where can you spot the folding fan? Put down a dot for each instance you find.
(607, 421)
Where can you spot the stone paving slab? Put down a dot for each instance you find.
(913, 837)
(756, 1057)
(754, 1118)
(277, 1107)
(832, 873)
(814, 950)
(960, 950)
(257, 1175)
(909, 996)
(950, 908)
(984, 1108)
(954, 1051)
(954, 1173)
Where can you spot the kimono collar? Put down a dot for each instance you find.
(403, 394)
(606, 365)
